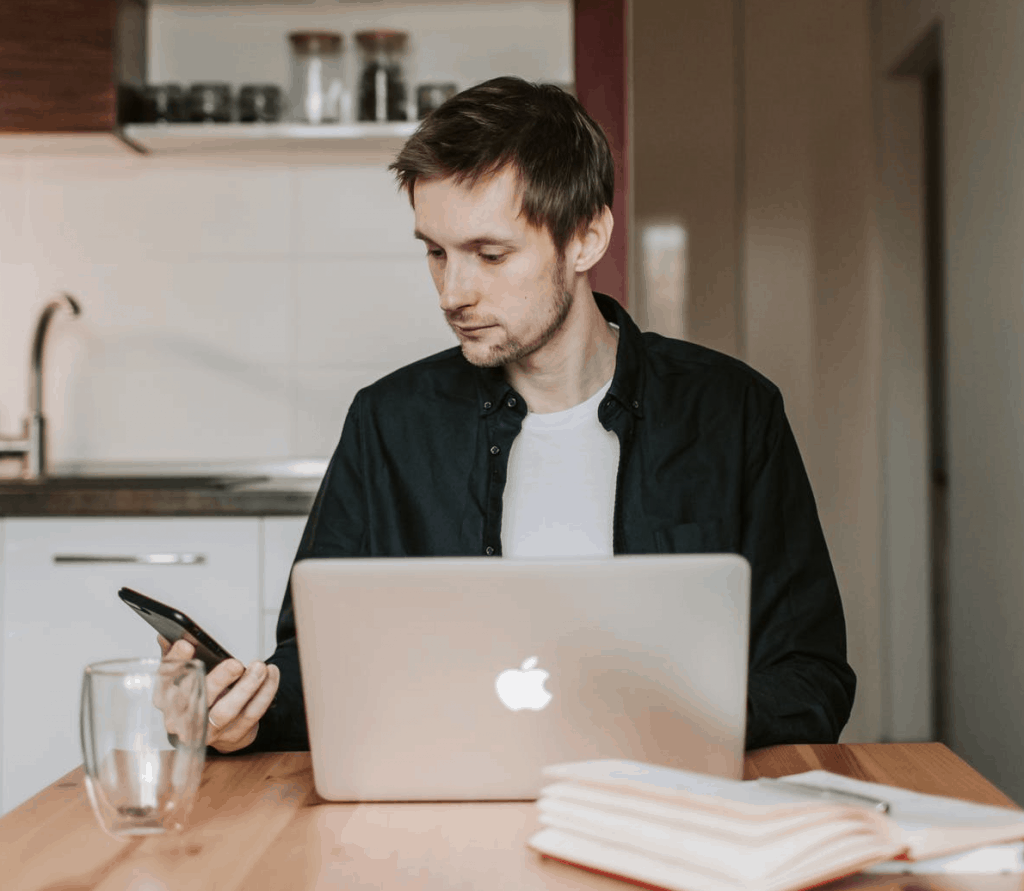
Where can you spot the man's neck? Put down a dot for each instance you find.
(573, 365)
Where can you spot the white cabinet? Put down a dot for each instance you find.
(281, 537)
(60, 610)
(2, 663)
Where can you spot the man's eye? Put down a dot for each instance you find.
(436, 253)
(492, 258)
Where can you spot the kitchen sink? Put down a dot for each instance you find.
(119, 481)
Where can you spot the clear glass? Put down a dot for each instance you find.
(143, 725)
(317, 84)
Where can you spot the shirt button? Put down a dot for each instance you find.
(636, 404)
(511, 402)
(495, 450)
(487, 405)
(489, 551)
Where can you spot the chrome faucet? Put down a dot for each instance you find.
(31, 448)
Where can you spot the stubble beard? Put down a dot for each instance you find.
(512, 349)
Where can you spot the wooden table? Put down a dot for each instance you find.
(258, 825)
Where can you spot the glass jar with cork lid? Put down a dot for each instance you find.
(382, 91)
(317, 77)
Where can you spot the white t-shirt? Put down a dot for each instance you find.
(559, 496)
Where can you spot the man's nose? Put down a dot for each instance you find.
(457, 288)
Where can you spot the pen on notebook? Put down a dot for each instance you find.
(825, 792)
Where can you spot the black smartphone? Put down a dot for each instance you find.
(174, 625)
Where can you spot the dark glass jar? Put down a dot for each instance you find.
(163, 104)
(432, 96)
(210, 103)
(259, 103)
(382, 93)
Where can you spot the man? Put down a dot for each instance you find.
(556, 427)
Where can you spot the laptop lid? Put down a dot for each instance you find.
(460, 678)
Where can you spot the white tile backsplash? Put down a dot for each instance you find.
(229, 312)
(221, 312)
(360, 309)
(13, 205)
(86, 211)
(158, 209)
(130, 406)
(218, 210)
(321, 399)
(351, 210)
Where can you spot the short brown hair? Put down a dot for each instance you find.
(565, 166)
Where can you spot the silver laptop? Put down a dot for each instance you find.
(458, 679)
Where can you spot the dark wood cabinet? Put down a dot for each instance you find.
(70, 66)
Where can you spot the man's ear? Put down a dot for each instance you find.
(592, 240)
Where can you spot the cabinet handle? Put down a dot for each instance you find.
(151, 559)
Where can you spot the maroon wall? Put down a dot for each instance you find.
(600, 48)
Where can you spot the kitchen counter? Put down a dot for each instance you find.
(284, 489)
(156, 502)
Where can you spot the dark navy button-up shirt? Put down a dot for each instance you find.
(707, 463)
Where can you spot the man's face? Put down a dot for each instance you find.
(501, 283)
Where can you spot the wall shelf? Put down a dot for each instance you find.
(238, 138)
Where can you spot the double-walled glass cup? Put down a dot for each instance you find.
(143, 725)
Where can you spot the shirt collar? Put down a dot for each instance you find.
(627, 382)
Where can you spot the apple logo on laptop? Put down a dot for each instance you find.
(523, 687)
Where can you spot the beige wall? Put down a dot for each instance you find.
(753, 125)
(684, 160)
(984, 73)
(908, 616)
(812, 288)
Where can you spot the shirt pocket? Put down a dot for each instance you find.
(703, 537)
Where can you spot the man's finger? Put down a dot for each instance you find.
(221, 678)
(165, 644)
(230, 705)
(257, 707)
(182, 649)
(242, 729)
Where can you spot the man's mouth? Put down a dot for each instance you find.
(469, 329)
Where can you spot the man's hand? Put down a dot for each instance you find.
(234, 713)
